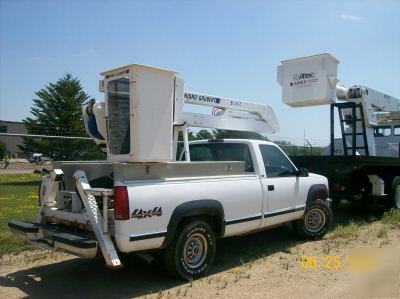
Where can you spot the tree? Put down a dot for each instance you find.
(204, 134)
(57, 111)
(224, 134)
(3, 150)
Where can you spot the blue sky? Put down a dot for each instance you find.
(226, 48)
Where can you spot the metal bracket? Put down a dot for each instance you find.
(96, 220)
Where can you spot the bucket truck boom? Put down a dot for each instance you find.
(149, 103)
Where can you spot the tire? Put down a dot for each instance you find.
(395, 196)
(316, 221)
(192, 251)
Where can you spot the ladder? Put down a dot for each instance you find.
(352, 122)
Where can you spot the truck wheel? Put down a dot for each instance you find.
(316, 221)
(191, 253)
(396, 192)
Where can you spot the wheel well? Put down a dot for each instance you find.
(317, 192)
(208, 210)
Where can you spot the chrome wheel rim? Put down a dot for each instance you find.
(314, 220)
(195, 250)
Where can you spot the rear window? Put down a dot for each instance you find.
(222, 152)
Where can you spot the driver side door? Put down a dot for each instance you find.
(284, 191)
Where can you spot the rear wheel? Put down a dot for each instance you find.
(316, 221)
(191, 253)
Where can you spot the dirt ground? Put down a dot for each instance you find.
(269, 264)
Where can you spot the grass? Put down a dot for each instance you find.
(18, 200)
(348, 230)
(392, 217)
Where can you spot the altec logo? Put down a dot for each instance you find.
(303, 79)
(303, 76)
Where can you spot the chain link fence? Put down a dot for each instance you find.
(24, 159)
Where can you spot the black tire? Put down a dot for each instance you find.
(395, 193)
(192, 251)
(316, 221)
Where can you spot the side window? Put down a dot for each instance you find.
(222, 152)
(396, 130)
(383, 131)
(275, 162)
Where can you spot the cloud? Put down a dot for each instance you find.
(350, 17)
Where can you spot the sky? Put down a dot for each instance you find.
(224, 48)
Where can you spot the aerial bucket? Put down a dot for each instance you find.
(308, 81)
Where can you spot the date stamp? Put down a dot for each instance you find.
(359, 261)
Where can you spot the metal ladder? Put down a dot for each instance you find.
(350, 121)
(98, 221)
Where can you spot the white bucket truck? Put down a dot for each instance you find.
(144, 198)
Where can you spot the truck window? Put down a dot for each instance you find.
(118, 116)
(396, 130)
(222, 152)
(383, 131)
(275, 162)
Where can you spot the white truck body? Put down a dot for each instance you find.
(142, 198)
(244, 199)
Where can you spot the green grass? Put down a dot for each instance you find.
(392, 217)
(18, 200)
(348, 230)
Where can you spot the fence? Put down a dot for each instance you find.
(23, 160)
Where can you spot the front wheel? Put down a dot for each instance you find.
(396, 192)
(192, 252)
(316, 221)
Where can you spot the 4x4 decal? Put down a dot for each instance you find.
(140, 213)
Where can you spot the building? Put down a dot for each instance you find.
(12, 142)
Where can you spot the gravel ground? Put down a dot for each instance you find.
(262, 265)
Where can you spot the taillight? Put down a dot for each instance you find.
(121, 203)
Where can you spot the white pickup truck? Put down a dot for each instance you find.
(181, 208)
(146, 197)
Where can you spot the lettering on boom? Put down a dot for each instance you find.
(201, 98)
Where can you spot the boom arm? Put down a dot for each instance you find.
(230, 114)
(377, 106)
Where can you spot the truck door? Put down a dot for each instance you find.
(284, 191)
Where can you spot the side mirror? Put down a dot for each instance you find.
(302, 172)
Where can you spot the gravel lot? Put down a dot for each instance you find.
(265, 264)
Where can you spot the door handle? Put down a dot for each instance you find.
(271, 187)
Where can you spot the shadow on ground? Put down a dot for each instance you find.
(90, 279)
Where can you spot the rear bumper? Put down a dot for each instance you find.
(55, 238)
